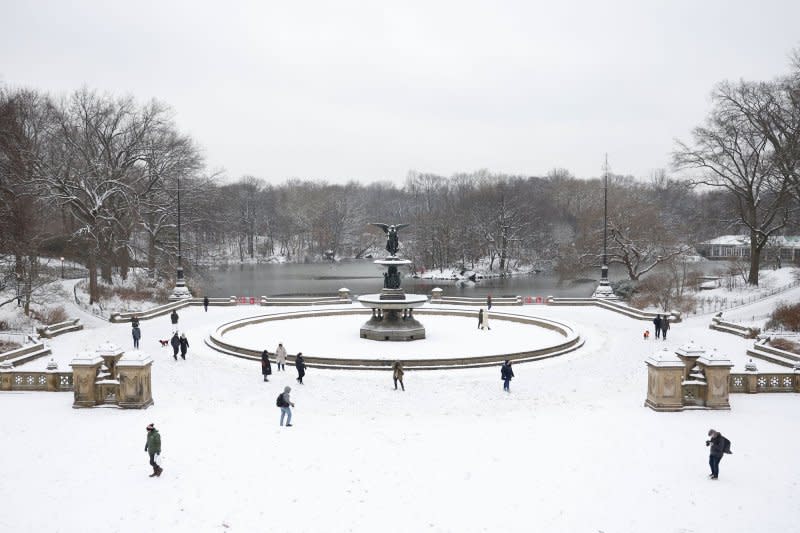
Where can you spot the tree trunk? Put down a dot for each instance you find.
(94, 293)
(124, 263)
(755, 260)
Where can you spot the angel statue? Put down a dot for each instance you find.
(392, 244)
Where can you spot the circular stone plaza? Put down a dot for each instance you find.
(570, 448)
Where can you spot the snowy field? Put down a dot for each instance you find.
(571, 448)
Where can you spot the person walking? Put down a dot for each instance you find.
(664, 327)
(397, 374)
(657, 325)
(137, 334)
(483, 319)
(506, 373)
(174, 318)
(300, 365)
(175, 341)
(280, 357)
(719, 446)
(205, 303)
(285, 403)
(134, 321)
(184, 343)
(266, 367)
(153, 448)
(489, 303)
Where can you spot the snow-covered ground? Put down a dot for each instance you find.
(571, 448)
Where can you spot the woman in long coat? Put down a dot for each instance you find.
(300, 365)
(397, 374)
(266, 368)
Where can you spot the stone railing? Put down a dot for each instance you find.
(23, 355)
(46, 380)
(166, 309)
(754, 382)
(303, 300)
(632, 312)
(438, 298)
(52, 330)
(761, 350)
(718, 324)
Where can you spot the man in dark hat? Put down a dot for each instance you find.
(153, 447)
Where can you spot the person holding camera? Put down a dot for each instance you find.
(719, 446)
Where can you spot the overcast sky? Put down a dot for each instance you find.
(369, 90)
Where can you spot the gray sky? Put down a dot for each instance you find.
(367, 91)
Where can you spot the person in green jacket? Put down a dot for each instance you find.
(153, 447)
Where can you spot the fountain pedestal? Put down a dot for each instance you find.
(392, 309)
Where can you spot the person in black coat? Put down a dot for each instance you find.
(300, 365)
(176, 345)
(480, 318)
(184, 342)
(719, 446)
(137, 334)
(134, 321)
(664, 327)
(657, 325)
(506, 373)
(174, 317)
(266, 367)
(205, 303)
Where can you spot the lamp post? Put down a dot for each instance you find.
(62, 268)
(604, 289)
(180, 291)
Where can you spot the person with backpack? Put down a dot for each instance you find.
(506, 373)
(657, 325)
(266, 367)
(285, 403)
(300, 365)
(719, 446)
(397, 374)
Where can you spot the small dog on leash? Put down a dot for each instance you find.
(646, 334)
(163, 343)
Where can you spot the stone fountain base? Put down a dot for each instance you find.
(392, 316)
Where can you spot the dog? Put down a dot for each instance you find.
(646, 334)
(163, 343)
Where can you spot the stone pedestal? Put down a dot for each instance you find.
(717, 370)
(344, 293)
(84, 373)
(135, 391)
(6, 369)
(111, 353)
(665, 372)
(689, 353)
(436, 295)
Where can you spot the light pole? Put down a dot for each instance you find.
(180, 291)
(604, 289)
(62, 268)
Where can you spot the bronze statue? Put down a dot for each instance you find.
(392, 243)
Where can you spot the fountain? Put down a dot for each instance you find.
(392, 309)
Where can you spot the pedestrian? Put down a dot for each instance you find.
(137, 334)
(184, 343)
(397, 374)
(285, 403)
(483, 319)
(205, 303)
(664, 327)
(134, 321)
(300, 365)
(175, 341)
(489, 302)
(266, 368)
(153, 447)
(506, 373)
(719, 446)
(280, 357)
(657, 325)
(174, 317)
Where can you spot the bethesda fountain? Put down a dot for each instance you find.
(392, 309)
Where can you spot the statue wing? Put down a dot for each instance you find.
(400, 226)
(384, 227)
